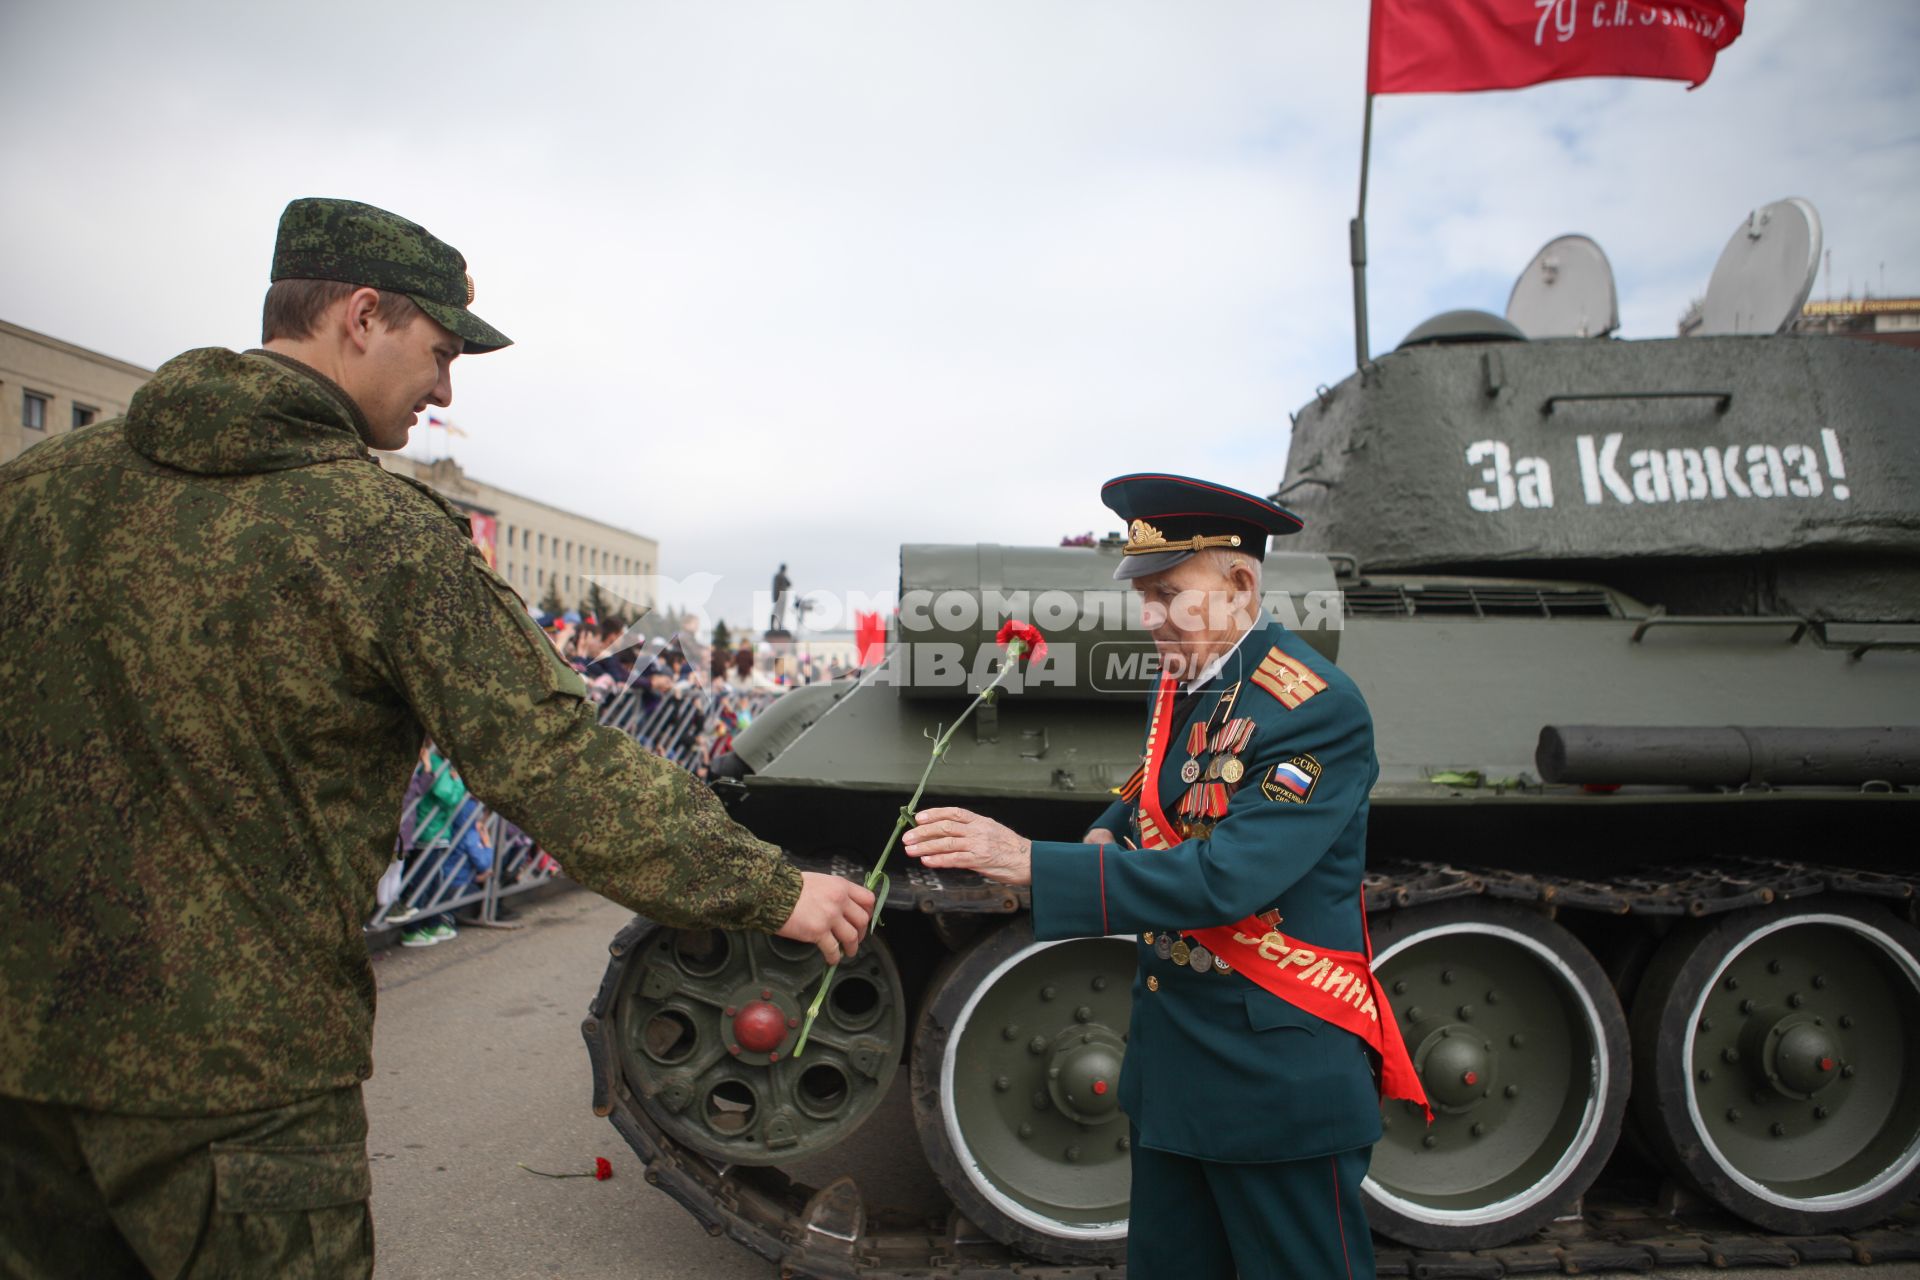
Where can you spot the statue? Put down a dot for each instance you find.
(781, 586)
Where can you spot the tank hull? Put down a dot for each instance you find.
(1460, 697)
(1462, 830)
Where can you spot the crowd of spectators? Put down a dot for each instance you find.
(676, 697)
(608, 647)
(679, 696)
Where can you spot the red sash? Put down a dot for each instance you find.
(1334, 986)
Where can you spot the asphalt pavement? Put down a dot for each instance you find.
(479, 1067)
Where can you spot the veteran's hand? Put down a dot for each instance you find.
(832, 914)
(1100, 835)
(966, 841)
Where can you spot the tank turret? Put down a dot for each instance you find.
(1737, 475)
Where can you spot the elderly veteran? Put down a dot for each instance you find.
(225, 616)
(1234, 856)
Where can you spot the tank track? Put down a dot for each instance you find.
(830, 1234)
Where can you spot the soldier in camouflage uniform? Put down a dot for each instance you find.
(224, 630)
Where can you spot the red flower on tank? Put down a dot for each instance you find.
(1027, 637)
(602, 1168)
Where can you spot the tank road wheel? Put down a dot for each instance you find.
(1522, 1047)
(1016, 1090)
(706, 1025)
(1775, 1062)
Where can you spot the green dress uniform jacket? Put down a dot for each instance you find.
(223, 632)
(1217, 1068)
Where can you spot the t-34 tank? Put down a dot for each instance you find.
(1639, 623)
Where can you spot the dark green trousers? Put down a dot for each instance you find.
(280, 1193)
(1289, 1220)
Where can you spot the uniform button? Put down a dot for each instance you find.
(1153, 982)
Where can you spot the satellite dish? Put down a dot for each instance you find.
(1765, 272)
(1566, 292)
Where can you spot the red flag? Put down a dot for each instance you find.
(1454, 46)
(485, 532)
(870, 637)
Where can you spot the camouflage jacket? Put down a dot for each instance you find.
(223, 632)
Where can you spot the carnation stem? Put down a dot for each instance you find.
(1014, 649)
(545, 1174)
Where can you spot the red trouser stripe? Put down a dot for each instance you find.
(1339, 1218)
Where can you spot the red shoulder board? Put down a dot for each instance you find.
(1289, 680)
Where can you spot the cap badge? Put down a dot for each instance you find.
(1142, 536)
(469, 290)
(1144, 539)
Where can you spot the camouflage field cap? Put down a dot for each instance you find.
(358, 244)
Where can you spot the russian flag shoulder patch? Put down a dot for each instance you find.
(1292, 780)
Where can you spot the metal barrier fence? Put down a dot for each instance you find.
(438, 875)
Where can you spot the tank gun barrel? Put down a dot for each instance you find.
(1729, 756)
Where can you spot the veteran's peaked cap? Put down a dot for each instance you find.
(354, 243)
(1171, 518)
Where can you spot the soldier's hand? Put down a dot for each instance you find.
(832, 914)
(1100, 835)
(967, 841)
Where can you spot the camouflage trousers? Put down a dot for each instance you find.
(279, 1193)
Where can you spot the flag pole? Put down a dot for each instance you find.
(1357, 245)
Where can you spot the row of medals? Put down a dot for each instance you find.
(1203, 804)
(1171, 946)
(1208, 788)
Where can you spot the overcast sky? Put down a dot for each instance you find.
(802, 281)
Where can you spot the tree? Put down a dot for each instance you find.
(595, 603)
(664, 624)
(550, 603)
(722, 638)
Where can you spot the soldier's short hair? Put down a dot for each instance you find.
(293, 307)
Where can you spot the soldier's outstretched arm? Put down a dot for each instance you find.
(458, 644)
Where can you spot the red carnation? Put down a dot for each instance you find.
(602, 1170)
(1026, 636)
